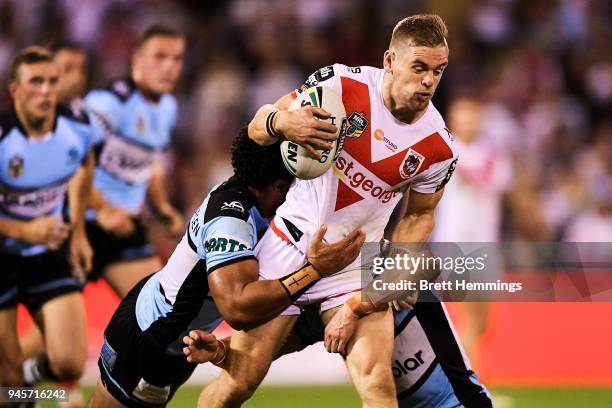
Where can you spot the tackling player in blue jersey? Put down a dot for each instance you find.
(212, 275)
(42, 149)
(134, 119)
(429, 366)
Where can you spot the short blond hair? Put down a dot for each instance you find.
(427, 30)
(30, 55)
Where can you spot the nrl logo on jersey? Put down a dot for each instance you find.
(234, 205)
(356, 123)
(411, 164)
(16, 166)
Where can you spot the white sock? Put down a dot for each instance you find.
(31, 374)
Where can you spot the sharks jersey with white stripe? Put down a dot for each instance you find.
(223, 230)
(131, 131)
(381, 158)
(34, 173)
(429, 365)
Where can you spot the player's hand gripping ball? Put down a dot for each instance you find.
(297, 159)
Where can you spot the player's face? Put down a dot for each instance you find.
(275, 195)
(158, 63)
(34, 90)
(416, 73)
(72, 66)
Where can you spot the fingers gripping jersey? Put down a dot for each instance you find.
(223, 230)
(381, 159)
(130, 133)
(34, 173)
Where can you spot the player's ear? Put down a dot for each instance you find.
(388, 59)
(13, 88)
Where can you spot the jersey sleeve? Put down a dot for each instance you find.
(328, 76)
(87, 136)
(435, 177)
(104, 109)
(222, 241)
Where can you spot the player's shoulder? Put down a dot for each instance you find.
(363, 74)
(231, 199)
(117, 91)
(122, 88)
(438, 125)
(73, 113)
(8, 121)
(168, 103)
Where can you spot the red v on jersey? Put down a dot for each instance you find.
(345, 196)
(431, 149)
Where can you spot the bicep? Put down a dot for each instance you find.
(421, 203)
(226, 282)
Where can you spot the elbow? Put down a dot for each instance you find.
(237, 318)
(251, 129)
(240, 321)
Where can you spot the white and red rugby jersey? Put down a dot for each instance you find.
(381, 158)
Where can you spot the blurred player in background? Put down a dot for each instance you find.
(134, 119)
(43, 147)
(395, 141)
(212, 275)
(71, 60)
(472, 212)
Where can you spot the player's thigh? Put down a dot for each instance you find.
(63, 324)
(122, 276)
(252, 351)
(101, 398)
(10, 353)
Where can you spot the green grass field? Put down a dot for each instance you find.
(344, 396)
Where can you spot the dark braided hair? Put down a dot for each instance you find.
(257, 166)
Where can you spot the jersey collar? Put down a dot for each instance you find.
(13, 120)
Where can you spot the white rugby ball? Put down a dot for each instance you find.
(297, 159)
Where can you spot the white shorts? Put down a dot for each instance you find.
(278, 258)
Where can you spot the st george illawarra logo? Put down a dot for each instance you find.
(356, 123)
(15, 166)
(411, 164)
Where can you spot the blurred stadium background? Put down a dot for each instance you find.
(540, 72)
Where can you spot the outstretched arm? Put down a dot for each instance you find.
(246, 302)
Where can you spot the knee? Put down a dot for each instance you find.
(374, 379)
(67, 368)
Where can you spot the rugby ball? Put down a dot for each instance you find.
(297, 159)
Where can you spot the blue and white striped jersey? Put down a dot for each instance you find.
(223, 230)
(34, 173)
(131, 131)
